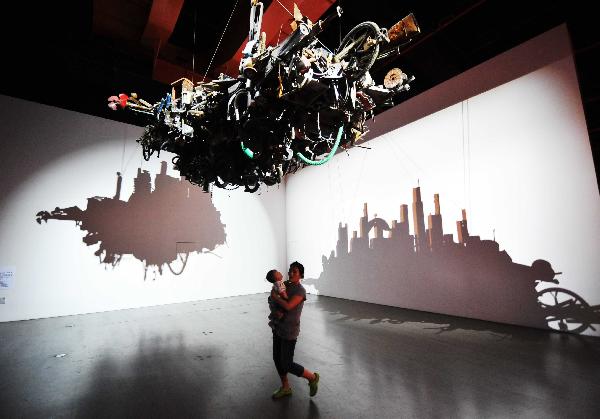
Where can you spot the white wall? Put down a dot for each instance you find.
(56, 158)
(508, 142)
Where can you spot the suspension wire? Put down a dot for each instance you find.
(343, 197)
(401, 164)
(324, 46)
(124, 144)
(407, 156)
(331, 207)
(360, 173)
(340, 23)
(462, 126)
(133, 153)
(469, 154)
(286, 9)
(419, 169)
(465, 146)
(194, 44)
(220, 39)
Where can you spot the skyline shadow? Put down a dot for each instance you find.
(428, 271)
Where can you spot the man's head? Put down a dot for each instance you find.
(274, 276)
(296, 271)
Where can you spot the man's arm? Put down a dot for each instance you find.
(287, 305)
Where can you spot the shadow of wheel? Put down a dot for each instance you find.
(178, 265)
(565, 311)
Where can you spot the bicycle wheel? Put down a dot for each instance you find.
(355, 49)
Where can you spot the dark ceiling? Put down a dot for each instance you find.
(74, 54)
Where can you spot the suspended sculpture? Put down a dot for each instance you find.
(292, 104)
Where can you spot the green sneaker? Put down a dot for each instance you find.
(314, 385)
(281, 392)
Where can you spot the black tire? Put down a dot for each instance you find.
(364, 63)
(219, 183)
(251, 187)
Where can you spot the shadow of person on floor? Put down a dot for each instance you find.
(162, 377)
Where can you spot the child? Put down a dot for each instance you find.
(276, 278)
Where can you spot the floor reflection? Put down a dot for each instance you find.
(416, 364)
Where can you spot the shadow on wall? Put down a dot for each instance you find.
(430, 272)
(158, 227)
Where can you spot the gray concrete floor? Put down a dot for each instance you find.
(213, 359)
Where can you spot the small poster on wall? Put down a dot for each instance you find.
(7, 275)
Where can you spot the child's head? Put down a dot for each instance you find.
(274, 276)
